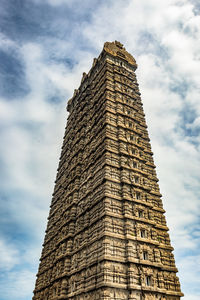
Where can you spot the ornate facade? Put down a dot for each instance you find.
(106, 236)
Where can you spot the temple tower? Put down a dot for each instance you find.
(106, 236)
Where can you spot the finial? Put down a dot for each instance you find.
(120, 45)
(117, 49)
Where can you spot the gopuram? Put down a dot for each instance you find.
(107, 236)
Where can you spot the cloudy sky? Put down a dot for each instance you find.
(45, 45)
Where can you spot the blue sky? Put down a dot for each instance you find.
(45, 46)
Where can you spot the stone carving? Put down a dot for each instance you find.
(106, 236)
(117, 49)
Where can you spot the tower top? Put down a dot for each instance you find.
(117, 49)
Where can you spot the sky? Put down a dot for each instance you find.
(45, 46)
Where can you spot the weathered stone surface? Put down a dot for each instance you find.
(106, 236)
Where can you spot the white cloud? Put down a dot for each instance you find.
(192, 263)
(9, 256)
(59, 2)
(163, 35)
(194, 124)
(6, 43)
(17, 285)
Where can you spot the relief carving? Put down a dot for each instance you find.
(106, 236)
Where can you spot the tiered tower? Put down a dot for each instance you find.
(107, 236)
